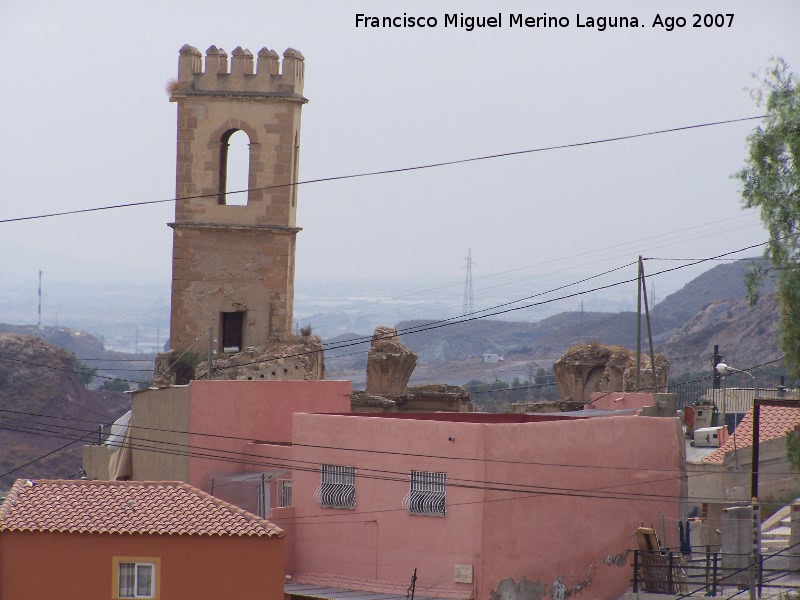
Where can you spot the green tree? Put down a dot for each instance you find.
(85, 373)
(771, 182)
(115, 385)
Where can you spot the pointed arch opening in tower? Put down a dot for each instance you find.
(234, 168)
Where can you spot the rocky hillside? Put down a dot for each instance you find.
(722, 282)
(44, 406)
(90, 351)
(747, 335)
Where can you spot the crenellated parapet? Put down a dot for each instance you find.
(246, 75)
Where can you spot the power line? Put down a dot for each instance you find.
(465, 319)
(76, 371)
(368, 451)
(399, 170)
(488, 312)
(593, 252)
(35, 460)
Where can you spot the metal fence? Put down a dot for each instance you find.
(736, 399)
(708, 572)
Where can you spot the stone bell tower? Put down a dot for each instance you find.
(233, 261)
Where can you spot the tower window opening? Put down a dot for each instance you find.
(234, 168)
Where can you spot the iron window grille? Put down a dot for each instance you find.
(427, 494)
(337, 488)
(284, 492)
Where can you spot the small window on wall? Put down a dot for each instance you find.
(135, 577)
(232, 331)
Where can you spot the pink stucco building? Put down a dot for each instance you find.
(482, 506)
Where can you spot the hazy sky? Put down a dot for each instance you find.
(87, 123)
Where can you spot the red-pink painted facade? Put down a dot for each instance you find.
(551, 500)
(250, 411)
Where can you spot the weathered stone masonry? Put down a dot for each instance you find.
(233, 265)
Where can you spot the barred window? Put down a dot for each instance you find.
(284, 492)
(337, 488)
(427, 494)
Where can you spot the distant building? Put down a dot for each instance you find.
(490, 358)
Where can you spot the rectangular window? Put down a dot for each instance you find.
(337, 488)
(284, 492)
(427, 494)
(135, 577)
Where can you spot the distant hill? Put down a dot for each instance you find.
(43, 406)
(747, 335)
(90, 350)
(718, 283)
(710, 309)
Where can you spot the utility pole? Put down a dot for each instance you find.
(531, 380)
(210, 350)
(715, 360)
(649, 329)
(757, 404)
(639, 326)
(469, 302)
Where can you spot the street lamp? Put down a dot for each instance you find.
(724, 369)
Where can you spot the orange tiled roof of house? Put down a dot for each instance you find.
(165, 507)
(774, 422)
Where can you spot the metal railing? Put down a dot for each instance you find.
(710, 571)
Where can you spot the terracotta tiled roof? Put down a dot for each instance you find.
(774, 422)
(165, 507)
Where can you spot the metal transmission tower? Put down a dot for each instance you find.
(469, 301)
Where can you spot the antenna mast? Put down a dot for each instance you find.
(469, 301)
(40, 302)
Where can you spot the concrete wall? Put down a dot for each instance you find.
(174, 420)
(96, 461)
(159, 433)
(77, 566)
(536, 509)
(378, 545)
(246, 411)
(723, 484)
(589, 485)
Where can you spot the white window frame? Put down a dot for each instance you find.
(337, 488)
(427, 495)
(136, 593)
